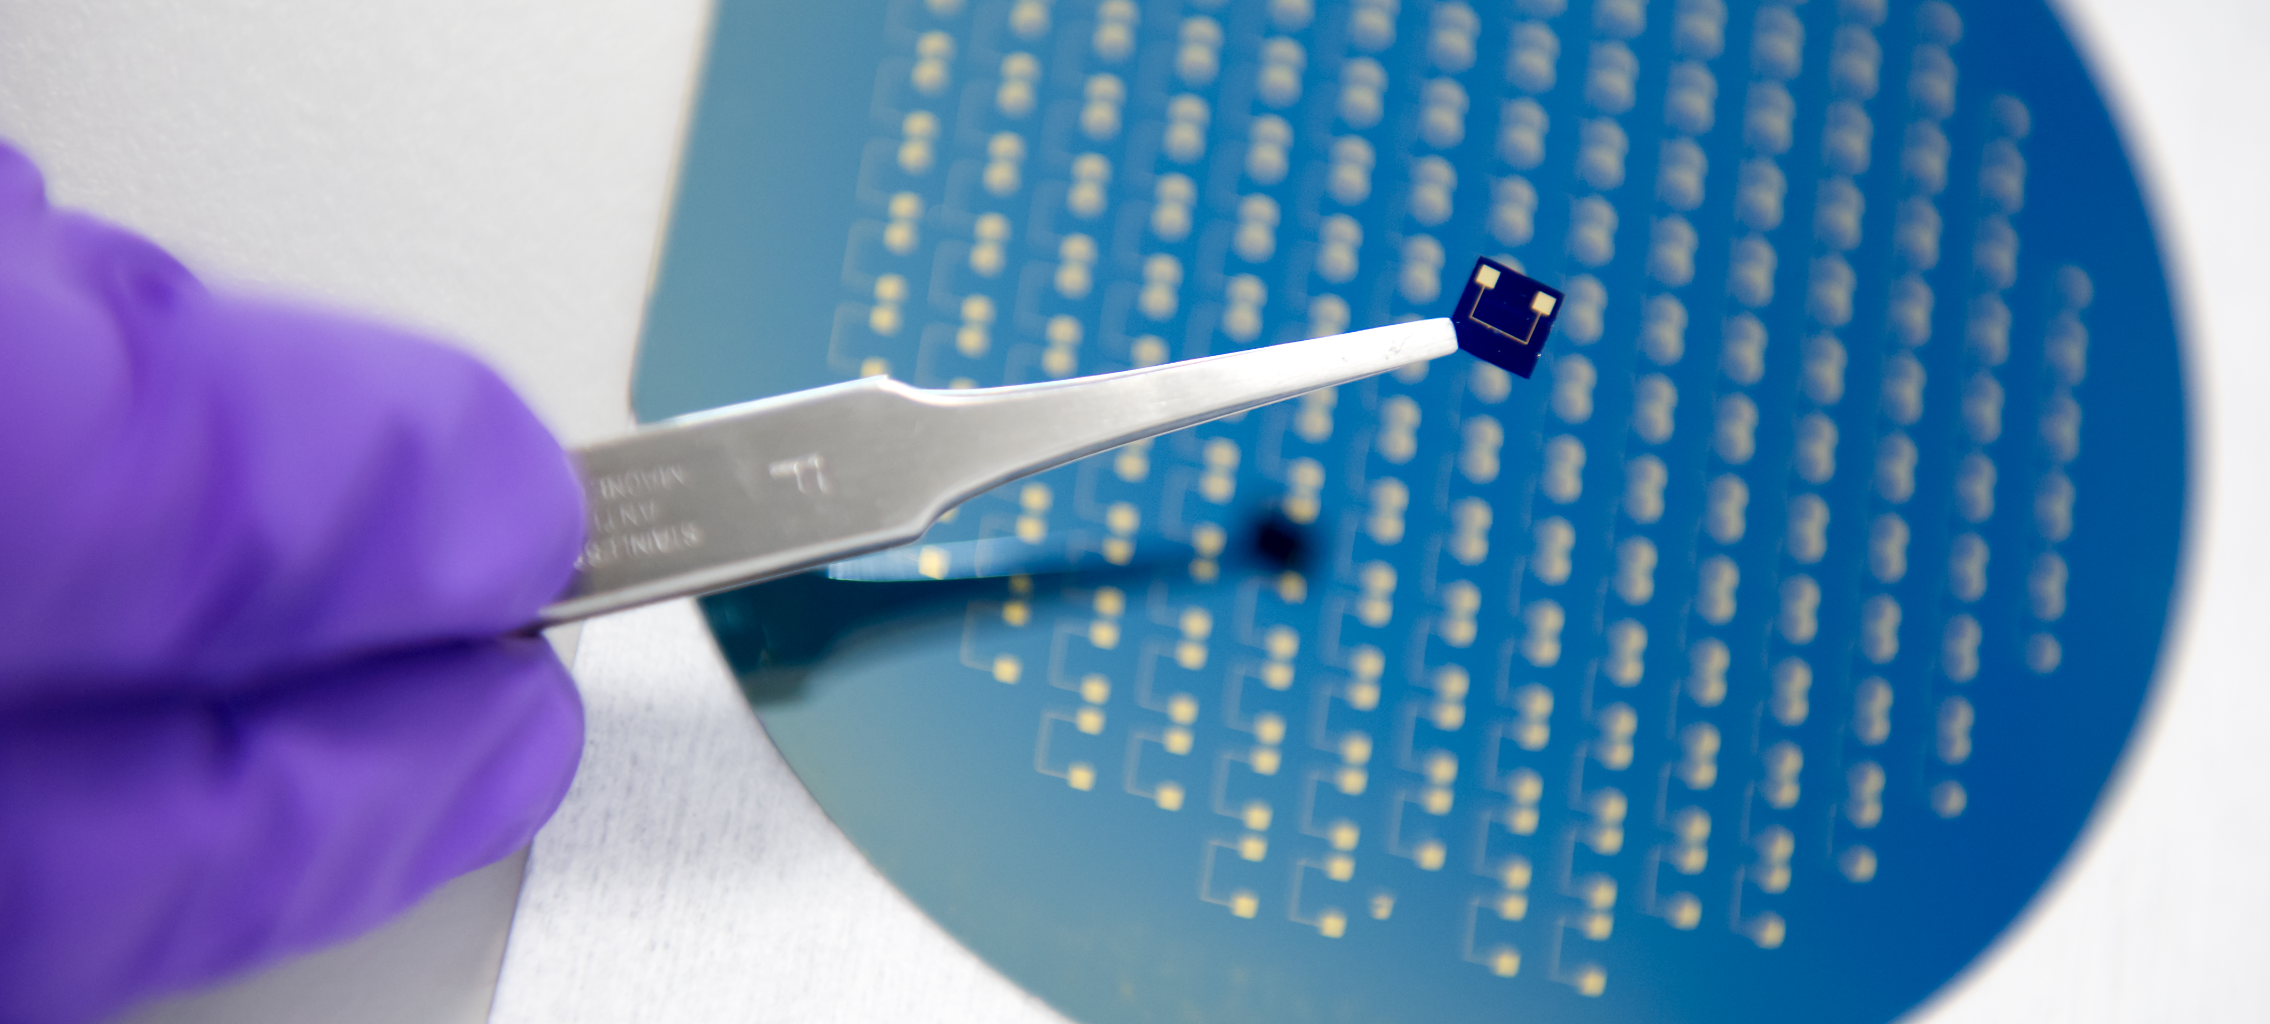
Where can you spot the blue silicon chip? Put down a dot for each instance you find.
(1504, 317)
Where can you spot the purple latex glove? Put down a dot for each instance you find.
(256, 564)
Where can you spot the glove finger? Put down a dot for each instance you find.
(208, 490)
(152, 847)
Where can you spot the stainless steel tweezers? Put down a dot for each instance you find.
(783, 484)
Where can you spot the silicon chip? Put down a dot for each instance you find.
(1504, 317)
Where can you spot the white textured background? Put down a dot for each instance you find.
(492, 170)
(497, 171)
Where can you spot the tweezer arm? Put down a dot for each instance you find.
(775, 486)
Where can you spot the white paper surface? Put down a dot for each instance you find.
(494, 171)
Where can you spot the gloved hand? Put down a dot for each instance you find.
(256, 568)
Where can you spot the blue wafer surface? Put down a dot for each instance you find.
(1758, 660)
